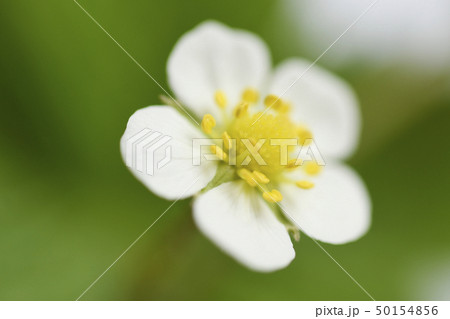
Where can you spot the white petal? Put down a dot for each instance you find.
(322, 101)
(237, 219)
(211, 57)
(179, 178)
(336, 210)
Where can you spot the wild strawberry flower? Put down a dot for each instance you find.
(251, 199)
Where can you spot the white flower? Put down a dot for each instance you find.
(220, 74)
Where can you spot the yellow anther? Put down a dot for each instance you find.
(260, 177)
(250, 95)
(273, 101)
(208, 123)
(312, 168)
(221, 99)
(241, 109)
(304, 184)
(227, 141)
(278, 196)
(247, 176)
(273, 196)
(285, 107)
(304, 135)
(293, 163)
(277, 104)
(216, 150)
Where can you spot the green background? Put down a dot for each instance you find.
(69, 207)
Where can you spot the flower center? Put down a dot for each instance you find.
(259, 142)
(259, 146)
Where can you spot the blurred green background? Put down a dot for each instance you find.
(69, 207)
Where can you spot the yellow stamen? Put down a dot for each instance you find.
(260, 177)
(312, 168)
(250, 95)
(227, 140)
(247, 176)
(241, 109)
(304, 135)
(285, 107)
(273, 196)
(221, 99)
(216, 150)
(273, 101)
(293, 163)
(253, 142)
(208, 123)
(304, 184)
(277, 194)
